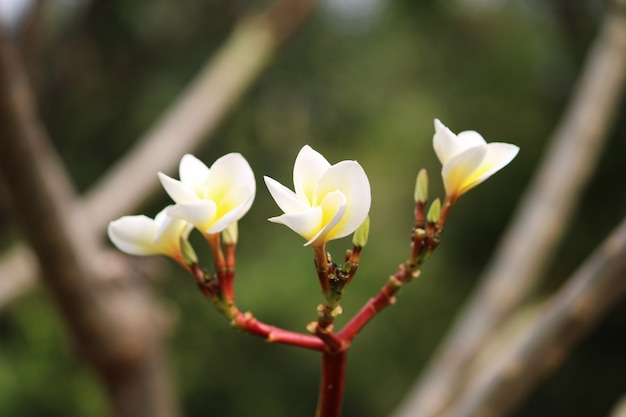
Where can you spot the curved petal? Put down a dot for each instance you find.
(228, 172)
(237, 197)
(177, 191)
(309, 167)
(229, 217)
(193, 172)
(333, 210)
(444, 142)
(460, 168)
(349, 178)
(284, 197)
(200, 213)
(170, 229)
(305, 223)
(231, 208)
(134, 235)
(470, 138)
(498, 156)
(447, 145)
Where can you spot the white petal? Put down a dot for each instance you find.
(306, 223)
(284, 197)
(178, 191)
(498, 156)
(231, 208)
(237, 198)
(228, 172)
(470, 138)
(310, 165)
(200, 213)
(193, 172)
(460, 168)
(170, 229)
(447, 145)
(134, 235)
(333, 210)
(444, 142)
(349, 178)
(224, 221)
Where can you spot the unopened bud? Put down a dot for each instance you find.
(189, 254)
(434, 211)
(421, 187)
(361, 234)
(230, 234)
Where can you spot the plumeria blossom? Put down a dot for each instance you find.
(211, 198)
(468, 159)
(141, 235)
(329, 202)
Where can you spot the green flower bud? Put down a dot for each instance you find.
(421, 187)
(361, 234)
(434, 211)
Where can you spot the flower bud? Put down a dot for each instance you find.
(189, 254)
(231, 234)
(420, 194)
(434, 211)
(361, 234)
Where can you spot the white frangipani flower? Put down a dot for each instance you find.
(329, 202)
(211, 198)
(141, 235)
(468, 159)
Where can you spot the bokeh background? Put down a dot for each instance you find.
(361, 80)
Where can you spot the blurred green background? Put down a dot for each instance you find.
(361, 80)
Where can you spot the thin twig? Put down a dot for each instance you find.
(539, 223)
(544, 343)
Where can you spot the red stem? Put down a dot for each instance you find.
(321, 265)
(374, 306)
(249, 324)
(332, 384)
(228, 281)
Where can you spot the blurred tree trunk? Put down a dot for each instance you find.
(111, 318)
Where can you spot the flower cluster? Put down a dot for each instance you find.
(209, 199)
(328, 201)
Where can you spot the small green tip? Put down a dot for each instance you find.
(434, 211)
(361, 234)
(231, 234)
(421, 187)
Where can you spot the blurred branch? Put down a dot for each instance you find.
(620, 408)
(590, 293)
(539, 223)
(16, 269)
(194, 115)
(113, 327)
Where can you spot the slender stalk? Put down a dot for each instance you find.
(321, 265)
(374, 306)
(272, 334)
(332, 384)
